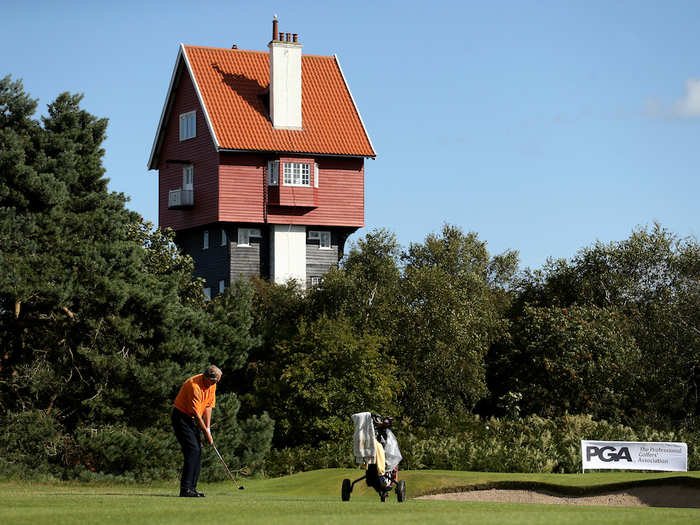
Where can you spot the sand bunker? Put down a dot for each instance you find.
(660, 496)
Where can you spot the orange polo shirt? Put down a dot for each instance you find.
(194, 397)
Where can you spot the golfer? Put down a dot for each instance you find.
(192, 412)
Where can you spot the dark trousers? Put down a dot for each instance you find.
(189, 437)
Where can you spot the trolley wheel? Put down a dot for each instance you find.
(401, 491)
(346, 490)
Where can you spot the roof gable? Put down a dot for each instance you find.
(232, 86)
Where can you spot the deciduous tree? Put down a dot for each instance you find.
(652, 278)
(454, 299)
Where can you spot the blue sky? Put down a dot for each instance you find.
(542, 126)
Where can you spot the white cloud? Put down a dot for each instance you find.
(689, 105)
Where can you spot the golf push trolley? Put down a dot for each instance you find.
(375, 446)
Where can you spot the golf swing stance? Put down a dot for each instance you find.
(192, 413)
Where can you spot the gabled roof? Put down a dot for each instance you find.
(232, 86)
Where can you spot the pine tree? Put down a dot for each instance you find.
(100, 318)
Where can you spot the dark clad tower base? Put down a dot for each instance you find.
(223, 259)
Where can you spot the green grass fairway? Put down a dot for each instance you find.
(314, 497)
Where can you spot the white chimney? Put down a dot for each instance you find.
(285, 80)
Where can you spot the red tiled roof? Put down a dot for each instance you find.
(232, 83)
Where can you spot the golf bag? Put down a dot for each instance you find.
(376, 447)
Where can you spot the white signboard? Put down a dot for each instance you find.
(634, 455)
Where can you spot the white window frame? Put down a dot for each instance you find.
(316, 281)
(224, 237)
(244, 235)
(207, 293)
(188, 125)
(222, 286)
(325, 241)
(188, 177)
(323, 238)
(297, 174)
(273, 170)
(205, 240)
(315, 175)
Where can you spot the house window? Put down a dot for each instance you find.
(224, 239)
(222, 287)
(207, 294)
(315, 281)
(323, 238)
(297, 174)
(188, 125)
(244, 235)
(273, 170)
(205, 240)
(188, 178)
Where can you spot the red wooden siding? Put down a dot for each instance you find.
(241, 185)
(294, 196)
(340, 197)
(200, 151)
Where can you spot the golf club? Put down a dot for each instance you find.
(240, 487)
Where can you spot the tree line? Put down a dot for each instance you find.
(101, 320)
(442, 330)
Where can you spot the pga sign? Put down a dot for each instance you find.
(608, 453)
(634, 455)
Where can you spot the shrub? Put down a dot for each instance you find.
(324, 372)
(300, 459)
(531, 444)
(576, 359)
(241, 443)
(128, 453)
(33, 445)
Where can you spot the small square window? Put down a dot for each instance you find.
(224, 238)
(315, 281)
(207, 294)
(244, 235)
(188, 125)
(205, 240)
(297, 174)
(323, 238)
(222, 286)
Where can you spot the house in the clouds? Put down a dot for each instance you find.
(260, 158)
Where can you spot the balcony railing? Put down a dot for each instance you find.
(180, 199)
